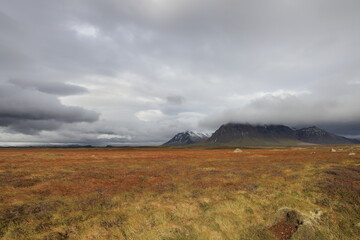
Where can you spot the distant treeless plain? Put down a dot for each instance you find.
(180, 193)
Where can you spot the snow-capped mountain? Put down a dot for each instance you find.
(186, 138)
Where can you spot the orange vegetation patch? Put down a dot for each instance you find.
(77, 171)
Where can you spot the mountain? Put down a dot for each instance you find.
(259, 135)
(272, 135)
(250, 135)
(320, 136)
(186, 138)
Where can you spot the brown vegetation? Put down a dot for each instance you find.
(164, 193)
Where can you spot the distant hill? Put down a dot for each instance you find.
(266, 135)
(186, 138)
(320, 136)
(250, 135)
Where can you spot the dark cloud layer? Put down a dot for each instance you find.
(151, 68)
(28, 110)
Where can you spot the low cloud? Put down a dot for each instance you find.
(335, 113)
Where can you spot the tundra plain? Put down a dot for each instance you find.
(180, 193)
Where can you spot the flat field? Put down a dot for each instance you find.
(173, 194)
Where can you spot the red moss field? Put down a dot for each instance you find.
(170, 193)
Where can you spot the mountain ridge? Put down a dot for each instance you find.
(261, 135)
(319, 136)
(253, 135)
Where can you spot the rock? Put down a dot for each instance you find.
(333, 150)
(352, 154)
(312, 152)
(238, 150)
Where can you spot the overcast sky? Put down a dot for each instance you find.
(138, 71)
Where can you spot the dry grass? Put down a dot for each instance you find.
(178, 194)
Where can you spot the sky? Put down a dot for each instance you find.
(136, 72)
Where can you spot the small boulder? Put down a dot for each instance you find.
(352, 154)
(238, 150)
(333, 150)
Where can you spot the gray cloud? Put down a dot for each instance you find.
(28, 111)
(56, 88)
(176, 100)
(337, 113)
(135, 63)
